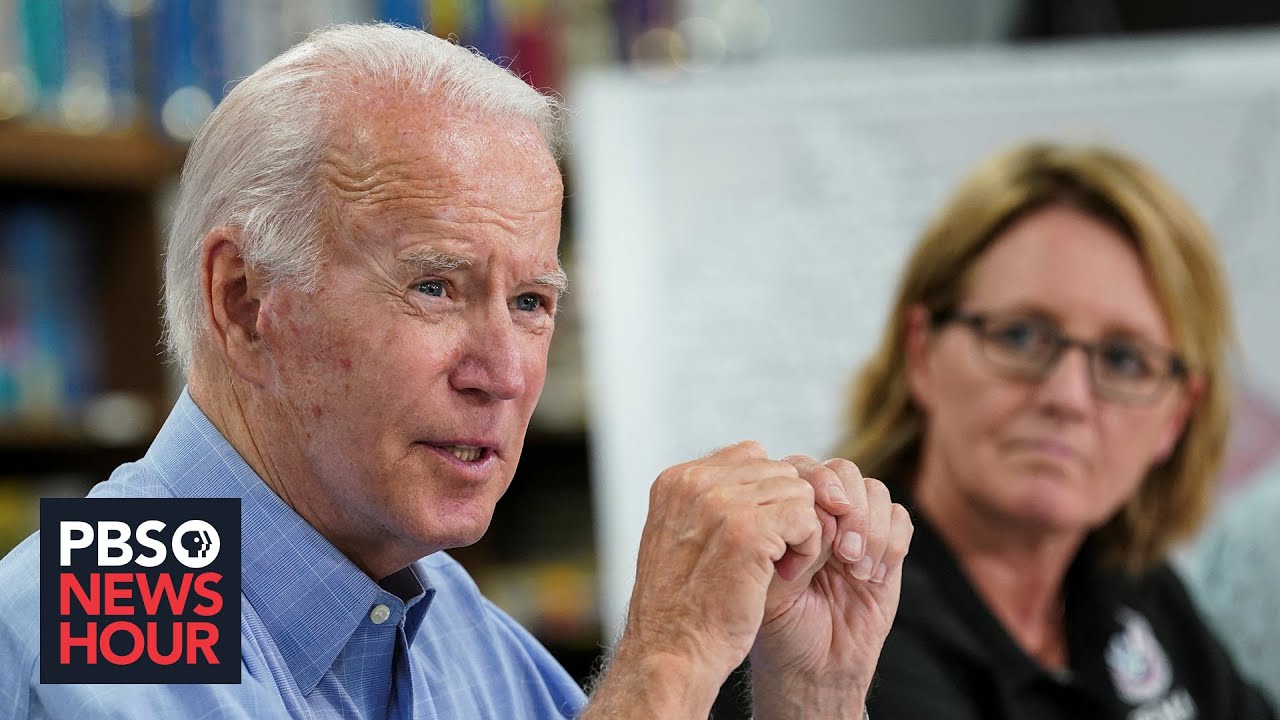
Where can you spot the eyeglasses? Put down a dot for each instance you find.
(1027, 347)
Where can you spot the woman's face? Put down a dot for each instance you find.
(1048, 454)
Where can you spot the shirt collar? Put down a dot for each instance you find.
(310, 597)
(415, 580)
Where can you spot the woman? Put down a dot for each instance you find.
(1051, 400)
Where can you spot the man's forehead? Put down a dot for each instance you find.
(502, 161)
(393, 125)
(414, 168)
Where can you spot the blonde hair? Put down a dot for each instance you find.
(885, 427)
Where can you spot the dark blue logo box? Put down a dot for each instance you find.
(139, 590)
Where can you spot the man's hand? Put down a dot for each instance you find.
(823, 629)
(732, 540)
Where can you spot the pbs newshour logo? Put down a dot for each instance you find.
(139, 590)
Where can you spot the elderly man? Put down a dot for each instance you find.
(361, 286)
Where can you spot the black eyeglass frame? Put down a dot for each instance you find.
(1175, 368)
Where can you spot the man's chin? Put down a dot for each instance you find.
(461, 532)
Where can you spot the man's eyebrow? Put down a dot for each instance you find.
(556, 280)
(430, 260)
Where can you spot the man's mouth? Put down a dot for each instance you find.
(465, 453)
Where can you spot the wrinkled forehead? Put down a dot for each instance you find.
(420, 155)
(388, 134)
(400, 168)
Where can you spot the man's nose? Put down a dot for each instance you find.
(493, 361)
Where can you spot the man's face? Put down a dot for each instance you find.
(407, 380)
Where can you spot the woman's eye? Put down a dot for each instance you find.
(434, 288)
(529, 302)
(1017, 335)
(1124, 359)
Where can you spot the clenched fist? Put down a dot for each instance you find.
(794, 561)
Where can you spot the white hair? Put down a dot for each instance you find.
(253, 165)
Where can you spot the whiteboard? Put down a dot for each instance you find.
(739, 232)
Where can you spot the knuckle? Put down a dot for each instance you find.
(812, 526)
(669, 482)
(902, 518)
(800, 515)
(671, 474)
(700, 477)
(658, 488)
(856, 519)
(879, 526)
(687, 482)
(782, 468)
(900, 531)
(716, 497)
(843, 466)
(824, 475)
(806, 494)
(877, 492)
(799, 460)
(877, 535)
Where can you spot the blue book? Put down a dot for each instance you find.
(187, 64)
(487, 34)
(118, 48)
(14, 63)
(12, 323)
(41, 21)
(57, 360)
(401, 12)
(37, 366)
(84, 102)
(206, 24)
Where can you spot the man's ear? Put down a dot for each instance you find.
(916, 337)
(233, 294)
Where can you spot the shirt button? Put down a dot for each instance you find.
(379, 614)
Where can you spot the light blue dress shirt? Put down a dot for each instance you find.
(319, 638)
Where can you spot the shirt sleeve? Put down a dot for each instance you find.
(568, 696)
(19, 628)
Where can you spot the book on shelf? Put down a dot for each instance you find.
(50, 346)
(93, 66)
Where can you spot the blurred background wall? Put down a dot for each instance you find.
(98, 97)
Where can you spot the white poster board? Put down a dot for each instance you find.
(740, 231)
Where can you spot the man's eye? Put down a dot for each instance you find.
(434, 288)
(529, 302)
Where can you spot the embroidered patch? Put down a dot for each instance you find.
(1139, 666)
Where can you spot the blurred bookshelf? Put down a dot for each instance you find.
(82, 382)
(125, 161)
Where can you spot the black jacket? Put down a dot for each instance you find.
(1138, 651)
